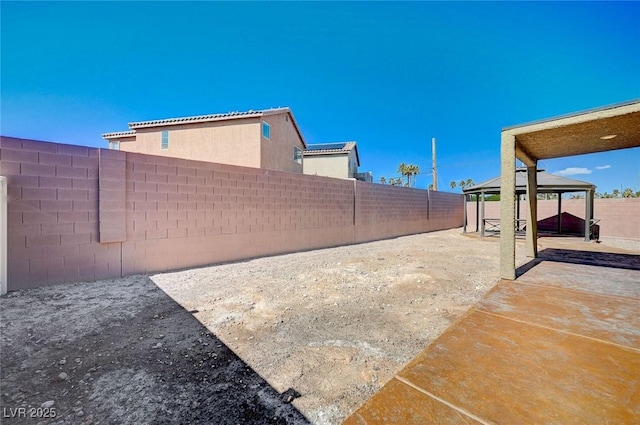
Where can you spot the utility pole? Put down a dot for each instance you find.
(434, 171)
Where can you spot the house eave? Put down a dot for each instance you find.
(118, 134)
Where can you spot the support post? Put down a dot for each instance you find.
(592, 195)
(588, 215)
(518, 212)
(482, 216)
(531, 242)
(507, 210)
(464, 203)
(559, 213)
(477, 212)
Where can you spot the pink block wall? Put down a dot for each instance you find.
(78, 213)
(389, 211)
(53, 227)
(185, 213)
(619, 217)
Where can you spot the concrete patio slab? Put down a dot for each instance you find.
(561, 344)
(400, 403)
(570, 311)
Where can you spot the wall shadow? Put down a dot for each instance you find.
(591, 258)
(122, 351)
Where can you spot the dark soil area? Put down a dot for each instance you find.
(146, 363)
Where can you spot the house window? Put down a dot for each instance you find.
(266, 130)
(165, 140)
(297, 154)
(115, 145)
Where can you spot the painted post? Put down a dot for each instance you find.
(464, 203)
(559, 213)
(531, 237)
(482, 217)
(508, 206)
(588, 215)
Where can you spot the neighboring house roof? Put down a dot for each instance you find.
(332, 149)
(547, 183)
(207, 118)
(118, 134)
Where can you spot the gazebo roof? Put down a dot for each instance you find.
(547, 183)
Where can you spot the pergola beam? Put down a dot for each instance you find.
(523, 155)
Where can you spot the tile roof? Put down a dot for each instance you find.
(207, 118)
(331, 148)
(119, 134)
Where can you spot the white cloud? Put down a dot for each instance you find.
(603, 167)
(572, 171)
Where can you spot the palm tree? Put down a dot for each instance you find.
(409, 171)
(452, 184)
(383, 180)
(414, 170)
(404, 170)
(465, 183)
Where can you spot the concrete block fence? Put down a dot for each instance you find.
(77, 213)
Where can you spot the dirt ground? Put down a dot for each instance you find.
(292, 339)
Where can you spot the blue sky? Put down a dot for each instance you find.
(388, 75)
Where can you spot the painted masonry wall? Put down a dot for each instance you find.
(619, 217)
(53, 225)
(78, 214)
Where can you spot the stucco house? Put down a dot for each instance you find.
(269, 139)
(339, 160)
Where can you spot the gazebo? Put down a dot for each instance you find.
(598, 130)
(546, 183)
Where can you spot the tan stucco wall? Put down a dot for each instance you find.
(353, 164)
(234, 142)
(277, 152)
(327, 165)
(121, 140)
